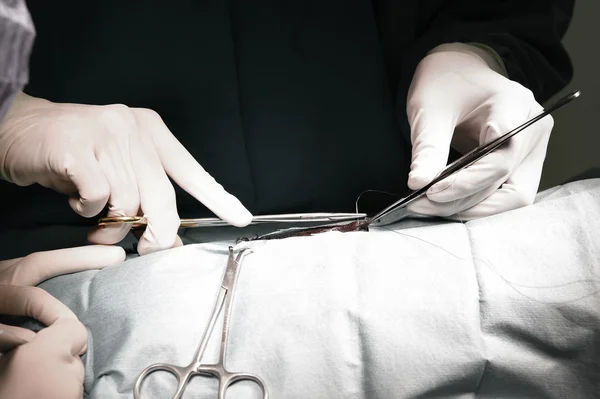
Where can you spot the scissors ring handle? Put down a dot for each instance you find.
(182, 374)
(232, 378)
(134, 220)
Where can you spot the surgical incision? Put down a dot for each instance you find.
(358, 225)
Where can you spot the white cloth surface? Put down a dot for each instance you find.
(501, 307)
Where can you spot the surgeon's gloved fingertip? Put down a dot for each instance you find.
(413, 181)
(237, 214)
(439, 187)
(144, 247)
(148, 243)
(85, 208)
(107, 254)
(112, 235)
(84, 348)
(116, 254)
(417, 180)
(178, 242)
(243, 219)
(78, 207)
(71, 331)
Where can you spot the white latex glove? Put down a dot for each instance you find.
(48, 366)
(459, 97)
(114, 154)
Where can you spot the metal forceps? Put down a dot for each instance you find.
(218, 370)
(397, 211)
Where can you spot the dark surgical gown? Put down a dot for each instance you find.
(294, 106)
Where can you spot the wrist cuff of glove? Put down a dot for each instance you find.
(485, 52)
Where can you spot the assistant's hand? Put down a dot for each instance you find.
(48, 366)
(114, 154)
(457, 99)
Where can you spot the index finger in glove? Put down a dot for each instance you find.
(32, 302)
(181, 166)
(40, 266)
(431, 135)
(157, 195)
(64, 336)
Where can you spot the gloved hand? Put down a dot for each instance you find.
(459, 97)
(114, 154)
(48, 366)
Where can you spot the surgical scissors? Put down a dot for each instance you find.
(357, 221)
(140, 221)
(218, 370)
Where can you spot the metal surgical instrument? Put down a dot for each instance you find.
(390, 215)
(140, 221)
(397, 211)
(218, 370)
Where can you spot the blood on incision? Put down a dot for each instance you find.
(358, 225)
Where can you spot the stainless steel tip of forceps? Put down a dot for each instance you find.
(397, 211)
